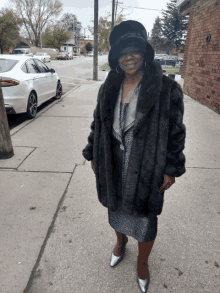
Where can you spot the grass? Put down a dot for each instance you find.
(168, 70)
(53, 56)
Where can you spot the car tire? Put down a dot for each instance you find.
(32, 105)
(59, 90)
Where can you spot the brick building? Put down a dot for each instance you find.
(201, 69)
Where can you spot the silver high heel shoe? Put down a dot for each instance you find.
(114, 260)
(144, 283)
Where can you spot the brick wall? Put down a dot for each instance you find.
(201, 70)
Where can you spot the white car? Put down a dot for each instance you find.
(27, 83)
(70, 54)
(43, 57)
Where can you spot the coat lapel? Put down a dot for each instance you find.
(149, 93)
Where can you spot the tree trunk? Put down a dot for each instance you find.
(6, 150)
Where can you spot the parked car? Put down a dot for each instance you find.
(22, 51)
(62, 56)
(90, 54)
(26, 83)
(70, 55)
(43, 57)
(166, 61)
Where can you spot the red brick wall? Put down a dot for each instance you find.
(201, 70)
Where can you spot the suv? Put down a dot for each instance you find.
(22, 51)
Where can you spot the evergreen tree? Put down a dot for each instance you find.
(174, 26)
(156, 35)
(88, 47)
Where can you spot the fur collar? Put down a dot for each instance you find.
(151, 85)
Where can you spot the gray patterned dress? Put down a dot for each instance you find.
(143, 229)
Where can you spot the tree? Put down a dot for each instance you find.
(104, 30)
(88, 47)
(156, 35)
(9, 31)
(174, 25)
(55, 38)
(83, 50)
(35, 14)
(6, 149)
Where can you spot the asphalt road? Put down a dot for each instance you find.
(71, 72)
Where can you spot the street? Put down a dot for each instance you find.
(72, 73)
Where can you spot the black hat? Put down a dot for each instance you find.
(129, 33)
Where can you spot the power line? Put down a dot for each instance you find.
(139, 7)
(143, 8)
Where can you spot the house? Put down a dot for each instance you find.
(200, 74)
(72, 45)
(82, 42)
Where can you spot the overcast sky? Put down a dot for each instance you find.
(84, 10)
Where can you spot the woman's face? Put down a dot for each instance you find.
(130, 60)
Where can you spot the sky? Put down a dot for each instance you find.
(84, 10)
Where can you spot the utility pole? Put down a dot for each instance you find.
(6, 150)
(113, 12)
(95, 47)
(116, 8)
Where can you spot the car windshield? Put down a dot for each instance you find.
(39, 54)
(7, 64)
(18, 52)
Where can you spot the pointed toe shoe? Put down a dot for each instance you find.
(144, 284)
(114, 260)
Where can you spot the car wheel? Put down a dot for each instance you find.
(59, 90)
(32, 105)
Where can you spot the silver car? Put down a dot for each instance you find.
(22, 51)
(27, 83)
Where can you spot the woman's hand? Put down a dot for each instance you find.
(168, 182)
(92, 165)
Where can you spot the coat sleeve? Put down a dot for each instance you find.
(175, 160)
(87, 152)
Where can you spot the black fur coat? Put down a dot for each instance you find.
(158, 142)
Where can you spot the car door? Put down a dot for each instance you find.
(39, 80)
(51, 84)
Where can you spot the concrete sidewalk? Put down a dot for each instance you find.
(53, 241)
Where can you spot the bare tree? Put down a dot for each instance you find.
(35, 14)
(70, 22)
(104, 30)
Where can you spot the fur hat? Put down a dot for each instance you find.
(129, 33)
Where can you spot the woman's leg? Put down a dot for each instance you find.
(144, 252)
(120, 243)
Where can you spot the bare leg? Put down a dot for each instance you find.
(144, 252)
(120, 243)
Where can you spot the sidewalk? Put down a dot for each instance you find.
(47, 225)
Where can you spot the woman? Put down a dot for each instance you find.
(136, 143)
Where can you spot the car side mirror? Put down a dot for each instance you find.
(52, 70)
